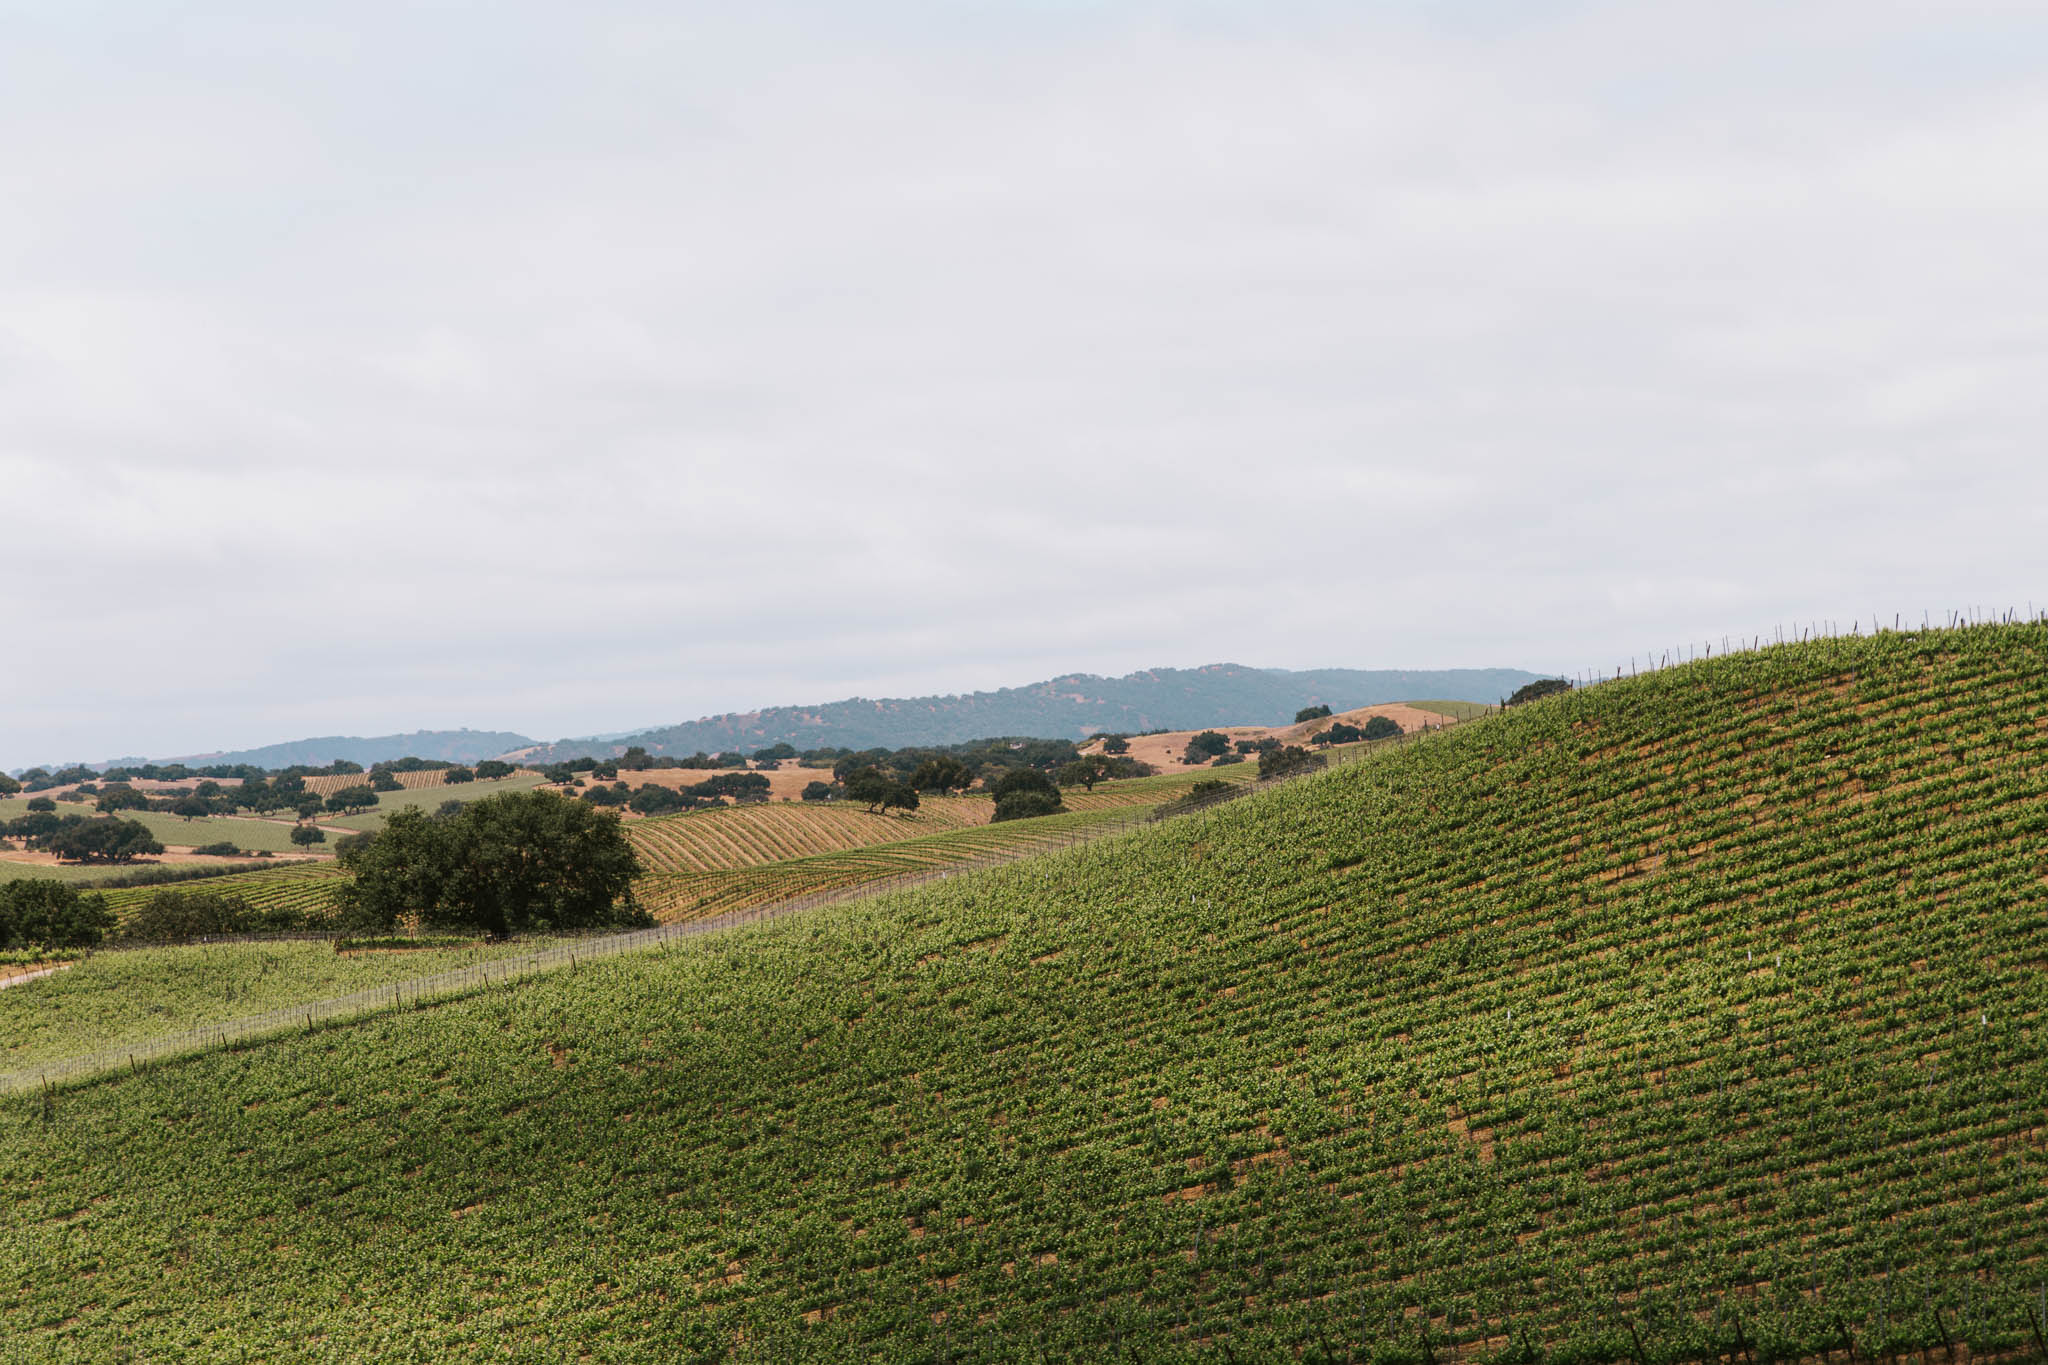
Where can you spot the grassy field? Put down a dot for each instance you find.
(109, 998)
(1695, 1015)
(248, 834)
(430, 797)
(65, 872)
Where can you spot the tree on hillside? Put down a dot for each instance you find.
(181, 916)
(1382, 727)
(1309, 713)
(457, 776)
(942, 775)
(41, 803)
(118, 797)
(1085, 772)
(8, 786)
(491, 769)
(880, 791)
(1023, 793)
(1542, 687)
(385, 782)
(634, 760)
(655, 799)
(1341, 733)
(820, 791)
(511, 863)
(351, 799)
(739, 786)
(305, 836)
(106, 840)
(1026, 806)
(45, 913)
(1116, 744)
(1206, 746)
(1286, 761)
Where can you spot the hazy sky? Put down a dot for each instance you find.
(368, 367)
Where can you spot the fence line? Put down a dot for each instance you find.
(419, 991)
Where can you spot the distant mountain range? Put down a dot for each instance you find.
(457, 746)
(1069, 707)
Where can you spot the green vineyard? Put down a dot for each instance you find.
(695, 895)
(1690, 1018)
(307, 887)
(734, 837)
(129, 996)
(747, 836)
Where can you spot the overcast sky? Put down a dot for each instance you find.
(367, 367)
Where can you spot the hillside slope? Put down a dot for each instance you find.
(1689, 1015)
(1069, 707)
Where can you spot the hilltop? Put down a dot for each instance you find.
(1686, 1016)
(1167, 750)
(1069, 707)
(456, 746)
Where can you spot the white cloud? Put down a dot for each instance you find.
(384, 367)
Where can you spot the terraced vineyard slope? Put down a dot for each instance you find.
(1690, 1017)
(307, 887)
(732, 837)
(697, 895)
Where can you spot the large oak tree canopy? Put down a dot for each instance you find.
(517, 862)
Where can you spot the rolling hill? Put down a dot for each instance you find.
(1690, 1016)
(1069, 707)
(456, 746)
